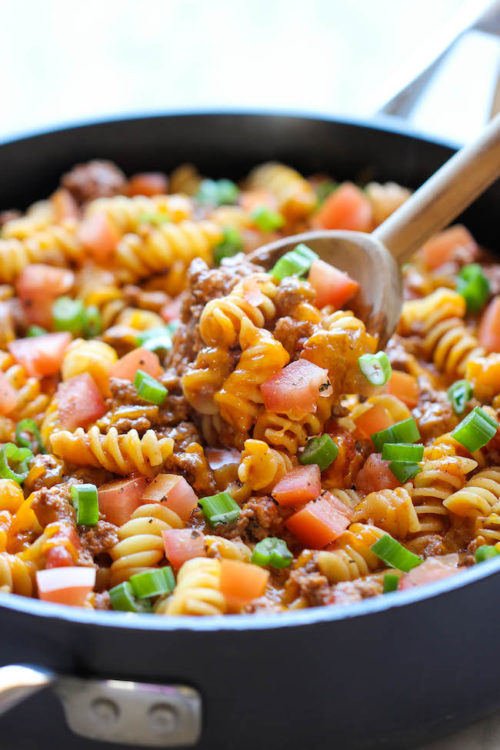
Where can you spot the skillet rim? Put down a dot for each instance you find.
(317, 615)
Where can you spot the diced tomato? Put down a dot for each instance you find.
(320, 522)
(298, 486)
(38, 286)
(174, 492)
(489, 327)
(297, 387)
(372, 420)
(432, 569)
(65, 206)
(79, 402)
(241, 582)
(182, 545)
(58, 557)
(139, 359)
(99, 236)
(8, 396)
(118, 500)
(375, 475)
(172, 310)
(346, 208)
(65, 585)
(218, 457)
(62, 535)
(251, 199)
(441, 248)
(148, 183)
(404, 387)
(332, 287)
(41, 355)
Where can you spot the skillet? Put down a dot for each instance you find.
(390, 672)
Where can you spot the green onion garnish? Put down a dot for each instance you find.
(14, 462)
(485, 552)
(272, 551)
(68, 314)
(149, 389)
(30, 427)
(123, 599)
(375, 367)
(394, 554)
(296, 262)
(402, 452)
(404, 470)
(217, 192)
(155, 582)
(220, 508)
(156, 339)
(92, 323)
(155, 218)
(324, 189)
(36, 331)
(459, 393)
(405, 431)
(231, 244)
(319, 450)
(476, 430)
(266, 219)
(391, 583)
(474, 287)
(86, 504)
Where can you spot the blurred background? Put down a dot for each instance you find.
(61, 62)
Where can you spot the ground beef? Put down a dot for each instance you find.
(401, 352)
(99, 538)
(290, 293)
(193, 465)
(52, 504)
(311, 586)
(45, 471)
(434, 412)
(145, 300)
(260, 517)
(349, 592)
(293, 334)
(95, 179)
(102, 600)
(183, 434)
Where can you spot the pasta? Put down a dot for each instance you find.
(185, 430)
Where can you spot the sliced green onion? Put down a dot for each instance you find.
(476, 430)
(149, 389)
(296, 262)
(324, 189)
(220, 508)
(156, 339)
(92, 323)
(375, 367)
(29, 426)
(319, 450)
(231, 244)
(86, 504)
(218, 192)
(474, 287)
(459, 393)
(272, 551)
(391, 583)
(68, 314)
(266, 219)
(36, 331)
(156, 582)
(155, 218)
(402, 452)
(485, 552)
(405, 431)
(394, 554)
(14, 462)
(123, 599)
(404, 470)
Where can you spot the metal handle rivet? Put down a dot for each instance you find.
(105, 711)
(163, 718)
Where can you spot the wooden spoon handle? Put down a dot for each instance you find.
(444, 196)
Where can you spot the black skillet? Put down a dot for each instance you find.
(386, 673)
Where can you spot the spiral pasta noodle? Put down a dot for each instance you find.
(197, 591)
(293, 193)
(391, 510)
(261, 467)
(16, 576)
(94, 357)
(31, 402)
(128, 214)
(351, 556)
(479, 497)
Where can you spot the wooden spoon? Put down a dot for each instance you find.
(374, 259)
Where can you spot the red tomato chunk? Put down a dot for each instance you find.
(174, 492)
(80, 402)
(320, 522)
(332, 287)
(41, 355)
(118, 500)
(298, 486)
(297, 387)
(376, 475)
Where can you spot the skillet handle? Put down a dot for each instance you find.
(112, 710)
